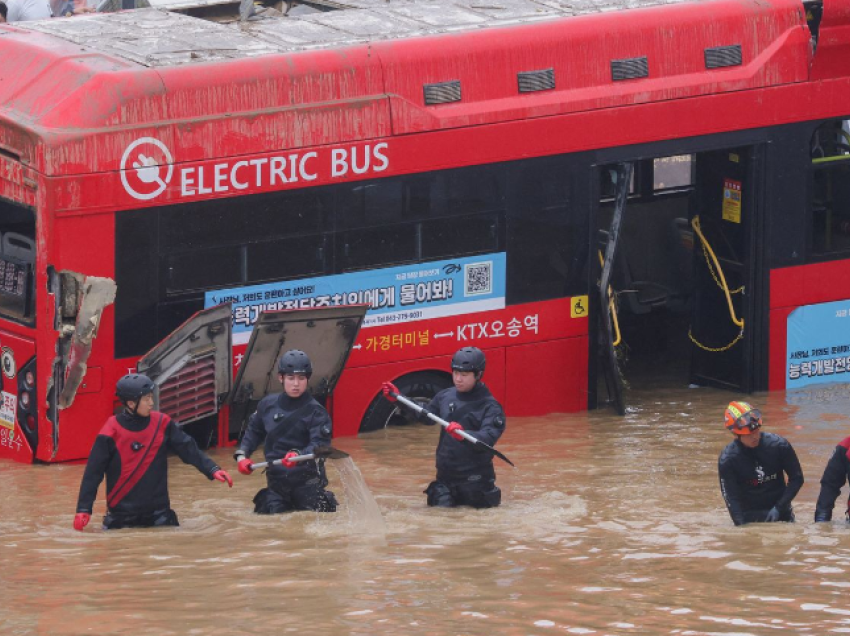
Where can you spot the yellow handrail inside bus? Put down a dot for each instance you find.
(824, 159)
(828, 159)
(612, 307)
(738, 322)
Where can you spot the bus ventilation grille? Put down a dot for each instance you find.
(442, 93)
(190, 394)
(533, 81)
(721, 56)
(632, 68)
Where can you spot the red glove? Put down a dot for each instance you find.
(81, 520)
(285, 461)
(245, 466)
(452, 429)
(390, 391)
(222, 475)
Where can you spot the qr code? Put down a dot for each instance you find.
(478, 277)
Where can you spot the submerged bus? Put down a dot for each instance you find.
(589, 191)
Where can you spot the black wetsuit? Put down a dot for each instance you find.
(835, 475)
(287, 424)
(752, 480)
(132, 452)
(465, 474)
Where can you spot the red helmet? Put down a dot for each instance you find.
(742, 418)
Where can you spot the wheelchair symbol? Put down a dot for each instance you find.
(578, 307)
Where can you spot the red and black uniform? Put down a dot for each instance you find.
(465, 474)
(835, 475)
(132, 451)
(752, 480)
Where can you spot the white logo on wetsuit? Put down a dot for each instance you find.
(761, 478)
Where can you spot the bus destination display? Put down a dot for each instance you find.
(13, 278)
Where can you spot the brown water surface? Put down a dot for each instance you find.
(608, 526)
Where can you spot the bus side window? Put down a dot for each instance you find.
(417, 218)
(203, 269)
(467, 235)
(830, 196)
(546, 232)
(377, 247)
(287, 258)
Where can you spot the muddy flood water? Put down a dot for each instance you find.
(608, 526)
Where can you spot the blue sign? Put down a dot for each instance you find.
(395, 294)
(818, 344)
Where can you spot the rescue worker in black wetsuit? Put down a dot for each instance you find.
(835, 475)
(465, 474)
(132, 450)
(291, 423)
(753, 467)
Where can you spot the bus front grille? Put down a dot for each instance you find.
(190, 394)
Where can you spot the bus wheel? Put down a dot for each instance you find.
(419, 387)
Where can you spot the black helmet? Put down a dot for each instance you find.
(469, 359)
(133, 387)
(295, 361)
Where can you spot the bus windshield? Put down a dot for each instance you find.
(17, 261)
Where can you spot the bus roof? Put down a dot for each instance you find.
(75, 92)
(165, 37)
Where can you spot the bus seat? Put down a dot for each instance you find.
(18, 246)
(636, 296)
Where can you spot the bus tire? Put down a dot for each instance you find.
(419, 387)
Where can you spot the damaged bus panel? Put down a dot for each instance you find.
(191, 368)
(83, 300)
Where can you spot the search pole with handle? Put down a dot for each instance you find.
(419, 410)
(322, 452)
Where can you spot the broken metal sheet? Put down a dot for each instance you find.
(97, 294)
(207, 334)
(326, 335)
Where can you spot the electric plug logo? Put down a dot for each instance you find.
(150, 170)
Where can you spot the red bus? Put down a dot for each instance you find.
(589, 192)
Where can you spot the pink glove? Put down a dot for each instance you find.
(222, 475)
(452, 429)
(245, 466)
(390, 391)
(285, 461)
(81, 520)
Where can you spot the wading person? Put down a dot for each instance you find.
(465, 474)
(753, 468)
(132, 451)
(291, 423)
(836, 473)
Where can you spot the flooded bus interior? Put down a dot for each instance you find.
(680, 292)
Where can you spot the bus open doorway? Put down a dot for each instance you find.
(677, 261)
